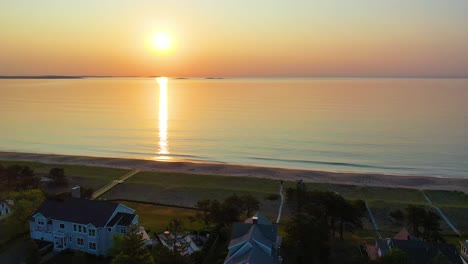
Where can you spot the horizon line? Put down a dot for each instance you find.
(53, 76)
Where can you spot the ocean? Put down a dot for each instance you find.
(402, 126)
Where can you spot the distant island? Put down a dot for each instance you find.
(43, 77)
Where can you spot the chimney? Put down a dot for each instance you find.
(254, 220)
(76, 192)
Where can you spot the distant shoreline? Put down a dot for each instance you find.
(360, 179)
(229, 77)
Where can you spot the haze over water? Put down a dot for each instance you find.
(394, 126)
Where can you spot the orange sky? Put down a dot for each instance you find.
(235, 38)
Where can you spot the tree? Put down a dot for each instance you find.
(25, 204)
(176, 227)
(431, 225)
(306, 240)
(395, 256)
(424, 224)
(415, 217)
(250, 204)
(132, 249)
(58, 175)
(86, 193)
(204, 206)
(398, 215)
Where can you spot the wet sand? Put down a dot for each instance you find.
(362, 179)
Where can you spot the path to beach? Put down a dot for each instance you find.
(374, 223)
(442, 214)
(112, 184)
(280, 210)
(362, 179)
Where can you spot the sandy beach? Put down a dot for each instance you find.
(362, 179)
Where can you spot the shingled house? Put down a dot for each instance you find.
(81, 224)
(255, 241)
(418, 251)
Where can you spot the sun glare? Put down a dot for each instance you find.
(162, 41)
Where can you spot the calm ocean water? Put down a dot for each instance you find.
(395, 126)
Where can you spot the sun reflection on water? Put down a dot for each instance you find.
(163, 144)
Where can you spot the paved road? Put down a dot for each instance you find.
(281, 204)
(112, 184)
(374, 223)
(441, 214)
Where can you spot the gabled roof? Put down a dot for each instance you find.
(78, 210)
(253, 254)
(253, 243)
(403, 235)
(8, 202)
(121, 219)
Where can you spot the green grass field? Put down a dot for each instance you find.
(446, 198)
(88, 176)
(156, 217)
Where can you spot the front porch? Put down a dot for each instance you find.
(60, 241)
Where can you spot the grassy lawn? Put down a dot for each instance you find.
(187, 189)
(206, 182)
(398, 195)
(458, 216)
(156, 217)
(446, 198)
(83, 175)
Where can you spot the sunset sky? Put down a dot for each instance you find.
(235, 38)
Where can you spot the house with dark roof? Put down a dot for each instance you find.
(254, 241)
(418, 251)
(81, 224)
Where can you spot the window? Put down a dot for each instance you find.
(62, 226)
(80, 241)
(40, 222)
(70, 239)
(92, 246)
(109, 229)
(92, 232)
(74, 227)
(84, 229)
(79, 228)
(123, 230)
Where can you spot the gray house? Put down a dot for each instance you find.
(254, 242)
(81, 224)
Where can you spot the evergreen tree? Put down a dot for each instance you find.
(133, 250)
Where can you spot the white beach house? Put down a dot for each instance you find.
(81, 224)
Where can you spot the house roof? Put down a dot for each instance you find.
(261, 219)
(424, 252)
(403, 235)
(253, 243)
(252, 253)
(8, 202)
(121, 219)
(78, 210)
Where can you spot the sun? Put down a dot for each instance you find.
(161, 41)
